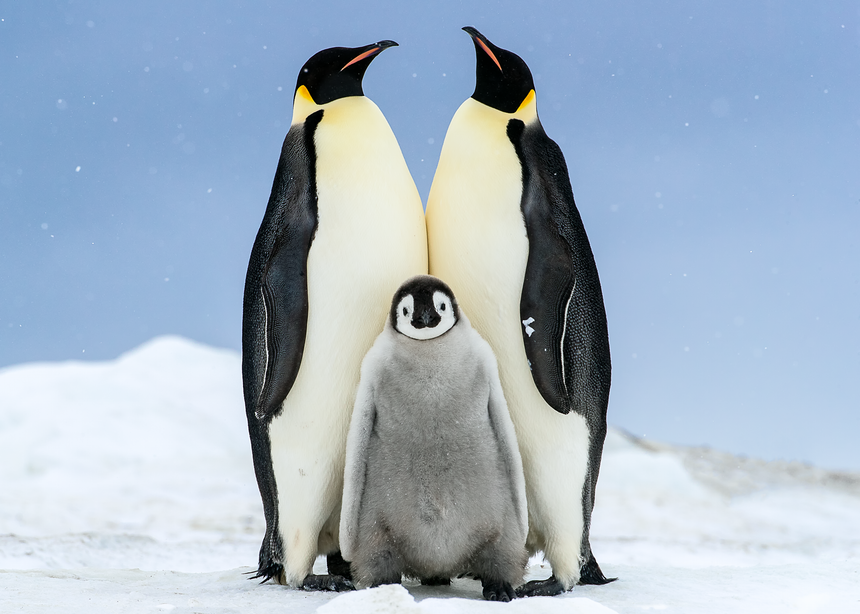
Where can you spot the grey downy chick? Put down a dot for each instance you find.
(433, 485)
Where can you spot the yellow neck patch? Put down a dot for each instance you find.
(527, 110)
(304, 93)
(526, 101)
(303, 105)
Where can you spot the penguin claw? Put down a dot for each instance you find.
(499, 591)
(541, 588)
(326, 582)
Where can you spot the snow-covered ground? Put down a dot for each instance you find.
(127, 486)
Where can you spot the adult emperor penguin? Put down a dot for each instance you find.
(504, 232)
(343, 227)
(433, 485)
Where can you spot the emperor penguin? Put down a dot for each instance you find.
(433, 485)
(504, 232)
(343, 227)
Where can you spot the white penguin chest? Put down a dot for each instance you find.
(370, 237)
(477, 236)
(367, 200)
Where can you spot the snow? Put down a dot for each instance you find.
(128, 486)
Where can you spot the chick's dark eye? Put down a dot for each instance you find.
(405, 311)
(442, 308)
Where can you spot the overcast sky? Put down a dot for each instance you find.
(714, 151)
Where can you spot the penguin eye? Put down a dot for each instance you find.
(442, 307)
(405, 311)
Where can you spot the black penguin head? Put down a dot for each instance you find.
(424, 308)
(502, 78)
(337, 72)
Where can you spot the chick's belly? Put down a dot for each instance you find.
(439, 501)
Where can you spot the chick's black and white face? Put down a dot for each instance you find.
(425, 314)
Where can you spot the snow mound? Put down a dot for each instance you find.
(694, 507)
(128, 486)
(153, 445)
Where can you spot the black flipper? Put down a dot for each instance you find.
(564, 320)
(541, 588)
(274, 319)
(568, 346)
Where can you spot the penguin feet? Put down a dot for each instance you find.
(499, 591)
(541, 588)
(591, 573)
(337, 566)
(436, 581)
(326, 583)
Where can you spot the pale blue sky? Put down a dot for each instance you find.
(714, 151)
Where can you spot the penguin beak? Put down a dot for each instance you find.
(428, 319)
(481, 41)
(374, 49)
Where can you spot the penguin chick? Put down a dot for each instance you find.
(433, 485)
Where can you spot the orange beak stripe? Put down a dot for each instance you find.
(361, 56)
(489, 53)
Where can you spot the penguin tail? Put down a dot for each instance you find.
(268, 570)
(590, 573)
(269, 563)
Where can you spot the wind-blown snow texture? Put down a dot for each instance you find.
(128, 486)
